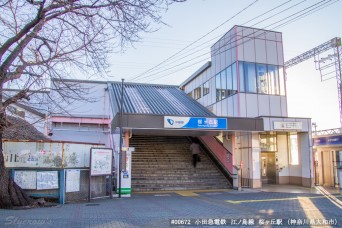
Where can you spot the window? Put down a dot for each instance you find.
(262, 79)
(197, 93)
(250, 78)
(224, 91)
(226, 83)
(206, 88)
(234, 77)
(273, 79)
(241, 75)
(281, 81)
(254, 78)
(230, 80)
(221, 85)
(294, 150)
(268, 142)
(218, 87)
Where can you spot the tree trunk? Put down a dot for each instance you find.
(10, 193)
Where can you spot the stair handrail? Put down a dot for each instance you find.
(226, 169)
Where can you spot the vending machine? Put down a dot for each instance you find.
(124, 176)
(122, 168)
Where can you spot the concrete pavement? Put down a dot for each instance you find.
(226, 208)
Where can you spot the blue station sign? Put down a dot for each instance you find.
(195, 122)
(330, 140)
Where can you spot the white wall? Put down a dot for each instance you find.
(243, 44)
(92, 102)
(306, 155)
(283, 155)
(94, 105)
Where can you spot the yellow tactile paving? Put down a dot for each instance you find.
(186, 193)
(268, 200)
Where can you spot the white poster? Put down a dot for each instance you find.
(26, 179)
(47, 180)
(101, 161)
(72, 180)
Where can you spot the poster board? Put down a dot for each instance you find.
(72, 180)
(101, 161)
(47, 180)
(26, 179)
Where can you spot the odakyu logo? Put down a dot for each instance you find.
(170, 121)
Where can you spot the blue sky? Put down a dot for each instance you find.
(188, 22)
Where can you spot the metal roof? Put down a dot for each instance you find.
(155, 100)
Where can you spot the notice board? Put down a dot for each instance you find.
(26, 179)
(73, 180)
(101, 161)
(47, 180)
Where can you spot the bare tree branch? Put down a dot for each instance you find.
(44, 42)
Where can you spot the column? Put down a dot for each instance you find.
(306, 159)
(255, 161)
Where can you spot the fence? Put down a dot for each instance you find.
(66, 185)
(54, 170)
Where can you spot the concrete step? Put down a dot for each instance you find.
(142, 188)
(193, 178)
(165, 163)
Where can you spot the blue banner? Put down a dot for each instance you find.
(195, 122)
(330, 140)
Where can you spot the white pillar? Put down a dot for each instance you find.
(305, 147)
(255, 161)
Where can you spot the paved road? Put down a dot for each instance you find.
(200, 209)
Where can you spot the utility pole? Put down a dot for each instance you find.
(120, 151)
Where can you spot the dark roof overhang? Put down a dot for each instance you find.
(146, 124)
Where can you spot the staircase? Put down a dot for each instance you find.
(165, 163)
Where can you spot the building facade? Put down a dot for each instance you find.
(328, 157)
(84, 118)
(245, 78)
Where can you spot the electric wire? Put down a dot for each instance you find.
(157, 66)
(209, 41)
(317, 8)
(244, 9)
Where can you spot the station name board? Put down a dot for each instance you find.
(195, 122)
(330, 140)
(287, 125)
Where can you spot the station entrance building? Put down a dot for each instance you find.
(235, 105)
(160, 122)
(245, 78)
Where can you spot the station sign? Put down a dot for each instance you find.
(287, 125)
(195, 122)
(330, 140)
